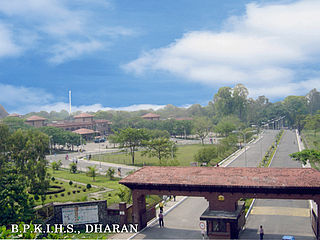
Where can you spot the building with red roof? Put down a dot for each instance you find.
(36, 121)
(151, 116)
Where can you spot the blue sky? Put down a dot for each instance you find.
(135, 54)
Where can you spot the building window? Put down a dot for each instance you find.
(219, 226)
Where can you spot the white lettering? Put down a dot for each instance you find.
(115, 228)
(26, 227)
(98, 228)
(124, 228)
(14, 228)
(69, 228)
(87, 228)
(133, 227)
(58, 228)
(107, 229)
(37, 228)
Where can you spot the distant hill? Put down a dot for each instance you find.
(3, 112)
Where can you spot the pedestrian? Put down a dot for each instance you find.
(203, 233)
(174, 198)
(161, 223)
(119, 172)
(161, 206)
(261, 232)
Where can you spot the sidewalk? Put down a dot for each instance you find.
(168, 207)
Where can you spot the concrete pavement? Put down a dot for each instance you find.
(281, 217)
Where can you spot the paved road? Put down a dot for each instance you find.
(281, 217)
(254, 153)
(183, 221)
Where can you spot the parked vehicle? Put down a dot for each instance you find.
(99, 139)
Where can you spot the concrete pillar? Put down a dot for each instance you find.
(123, 213)
(139, 209)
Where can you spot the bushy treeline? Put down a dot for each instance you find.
(227, 101)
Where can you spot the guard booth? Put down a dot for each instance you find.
(224, 224)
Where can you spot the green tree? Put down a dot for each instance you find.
(92, 172)
(131, 138)
(313, 123)
(205, 155)
(22, 168)
(56, 165)
(306, 155)
(110, 173)
(161, 148)
(73, 167)
(201, 127)
(227, 125)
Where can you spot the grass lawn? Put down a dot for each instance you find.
(313, 141)
(184, 157)
(73, 193)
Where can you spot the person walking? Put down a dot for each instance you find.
(161, 223)
(161, 206)
(261, 232)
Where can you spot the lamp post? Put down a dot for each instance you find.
(245, 147)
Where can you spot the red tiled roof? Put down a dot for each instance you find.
(35, 118)
(82, 131)
(14, 115)
(225, 177)
(83, 115)
(150, 115)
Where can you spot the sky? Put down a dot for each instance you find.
(141, 54)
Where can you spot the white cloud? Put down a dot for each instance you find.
(265, 48)
(15, 96)
(7, 46)
(71, 50)
(63, 29)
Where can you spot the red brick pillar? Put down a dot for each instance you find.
(139, 209)
(219, 202)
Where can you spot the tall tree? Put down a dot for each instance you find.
(131, 138)
(201, 127)
(223, 101)
(240, 101)
(161, 148)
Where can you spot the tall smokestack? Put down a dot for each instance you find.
(69, 102)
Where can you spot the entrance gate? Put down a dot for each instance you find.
(223, 188)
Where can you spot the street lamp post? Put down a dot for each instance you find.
(245, 147)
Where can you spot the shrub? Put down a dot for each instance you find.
(73, 191)
(78, 191)
(75, 185)
(50, 197)
(70, 182)
(53, 179)
(61, 182)
(69, 193)
(62, 194)
(55, 195)
(36, 197)
(84, 190)
(88, 186)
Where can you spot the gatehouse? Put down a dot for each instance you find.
(223, 188)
